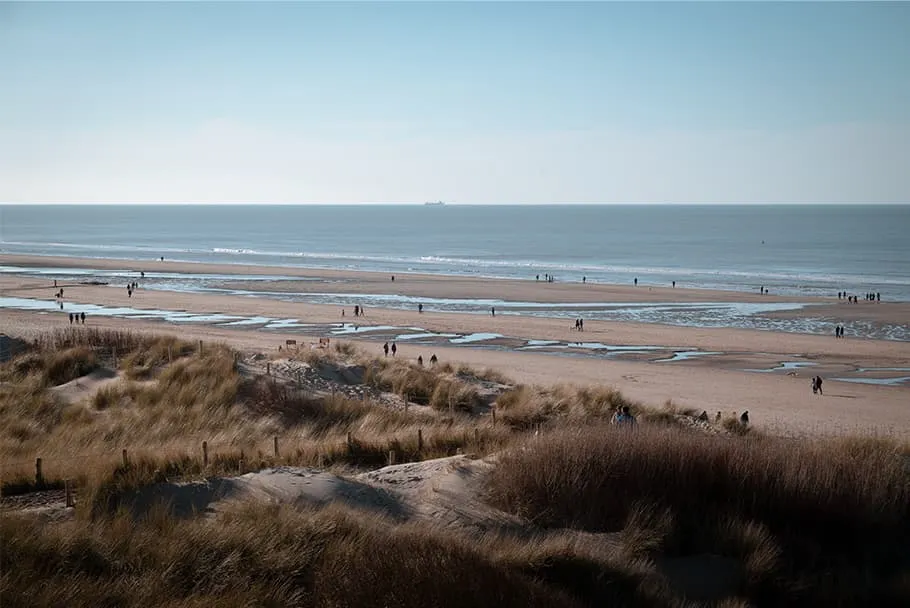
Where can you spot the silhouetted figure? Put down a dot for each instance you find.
(674, 284)
(818, 384)
(623, 417)
(420, 360)
(385, 349)
(83, 317)
(635, 281)
(536, 278)
(420, 308)
(878, 296)
(744, 419)
(717, 418)
(142, 274)
(356, 311)
(703, 417)
(394, 349)
(393, 278)
(493, 311)
(162, 258)
(584, 279)
(55, 282)
(433, 359)
(71, 318)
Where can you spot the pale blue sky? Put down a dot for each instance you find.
(471, 102)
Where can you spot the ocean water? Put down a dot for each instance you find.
(790, 249)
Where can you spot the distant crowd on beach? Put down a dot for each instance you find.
(869, 297)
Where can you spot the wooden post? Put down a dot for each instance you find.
(391, 457)
(200, 347)
(126, 461)
(268, 369)
(39, 474)
(205, 453)
(69, 494)
(275, 442)
(419, 440)
(493, 411)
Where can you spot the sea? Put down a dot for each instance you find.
(796, 250)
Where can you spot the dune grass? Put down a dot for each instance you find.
(792, 511)
(172, 396)
(808, 522)
(264, 556)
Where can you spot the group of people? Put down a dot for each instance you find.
(549, 278)
(869, 297)
(393, 348)
(433, 360)
(75, 317)
(358, 311)
(132, 286)
(580, 324)
(839, 331)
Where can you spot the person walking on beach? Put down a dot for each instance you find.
(420, 360)
(635, 281)
(83, 317)
(420, 308)
(493, 311)
(385, 349)
(433, 359)
(818, 384)
(584, 279)
(71, 318)
(744, 419)
(394, 349)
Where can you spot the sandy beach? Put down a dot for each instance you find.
(780, 400)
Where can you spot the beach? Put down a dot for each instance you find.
(711, 377)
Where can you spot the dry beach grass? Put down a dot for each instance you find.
(671, 511)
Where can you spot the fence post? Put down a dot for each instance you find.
(268, 369)
(39, 474)
(69, 494)
(275, 443)
(391, 457)
(126, 461)
(200, 347)
(419, 440)
(205, 453)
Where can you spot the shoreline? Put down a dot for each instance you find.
(407, 279)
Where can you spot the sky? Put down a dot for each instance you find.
(467, 102)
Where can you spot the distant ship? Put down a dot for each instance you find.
(435, 203)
